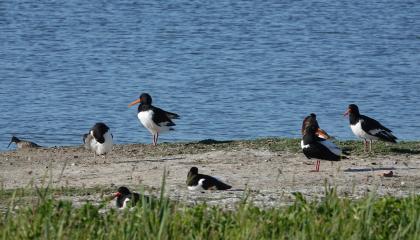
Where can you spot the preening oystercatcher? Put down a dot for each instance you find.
(368, 128)
(319, 148)
(99, 139)
(311, 120)
(153, 118)
(23, 144)
(196, 181)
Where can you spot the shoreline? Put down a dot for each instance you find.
(271, 170)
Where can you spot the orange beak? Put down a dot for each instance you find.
(347, 112)
(322, 134)
(134, 102)
(117, 194)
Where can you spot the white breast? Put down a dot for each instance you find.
(146, 118)
(102, 148)
(125, 203)
(197, 187)
(358, 131)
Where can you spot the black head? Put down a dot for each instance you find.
(123, 191)
(310, 134)
(145, 99)
(100, 128)
(352, 109)
(309, 120)
(13, 140)
(311, 129)
(98, 131)
(194, 170)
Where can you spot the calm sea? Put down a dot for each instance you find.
(231, 69)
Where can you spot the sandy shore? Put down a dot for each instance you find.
(270, 177)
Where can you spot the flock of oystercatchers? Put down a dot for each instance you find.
(315, 142)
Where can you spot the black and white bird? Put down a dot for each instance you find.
(153, 118)
(23, 144)
(368, 128)
(196, 181)
(126, 198)
(319, 148)
(311, 120)
(99, 139)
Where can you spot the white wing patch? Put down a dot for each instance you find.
(375, 131)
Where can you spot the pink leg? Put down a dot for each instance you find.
(316, 166)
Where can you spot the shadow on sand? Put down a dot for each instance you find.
(212, 141)
(369, 169)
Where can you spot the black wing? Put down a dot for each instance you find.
(374, 128)
(213, 183)
(319, 151)
(172, 115)
(161, 117)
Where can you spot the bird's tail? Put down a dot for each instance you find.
(172, 115)
(387, 137)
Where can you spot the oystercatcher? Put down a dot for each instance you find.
(319, 148)
(368, 128)
(196, 181)
(311, 120)
(99, 139)
(124, 196)
(23, 144)
(153, 118)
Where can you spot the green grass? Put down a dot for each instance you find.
(330, 218)
(291, 145)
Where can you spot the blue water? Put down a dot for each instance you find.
(231, 69)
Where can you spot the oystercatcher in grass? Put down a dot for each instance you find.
(196, 181)
(99, 139)
(23, 144)
(311, 120)
(153, 118)
(321, 149)
(125, 197)
(368, 128)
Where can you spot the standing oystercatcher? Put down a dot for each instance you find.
(368, 128)
(319, 148)
(99, 139)
(311, 120)
(196, 181)
(23, 144)
(153, 118)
